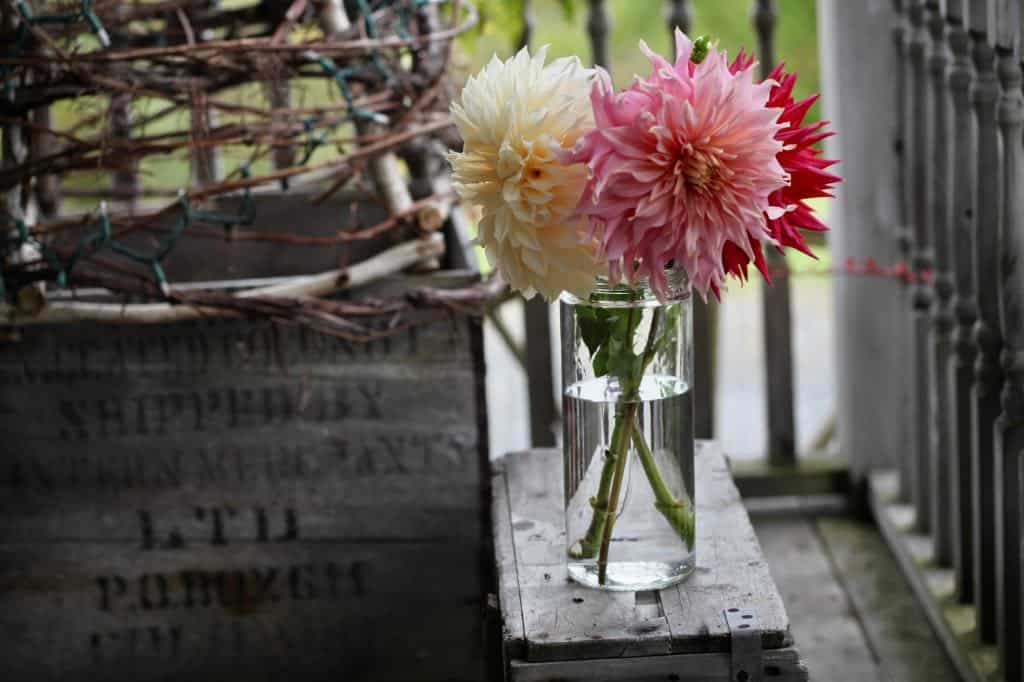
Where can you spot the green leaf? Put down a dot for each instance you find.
(600, 362)
(592, 328)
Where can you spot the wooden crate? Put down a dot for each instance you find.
(553, 629)
(234, 500)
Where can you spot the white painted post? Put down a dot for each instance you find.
(872, 372)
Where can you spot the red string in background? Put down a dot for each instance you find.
(869, 267)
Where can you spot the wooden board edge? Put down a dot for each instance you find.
(881, 491)
(772, 640)
(780, 665)
(758, 478)
(513, 630)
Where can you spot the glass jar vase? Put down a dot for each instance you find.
(628, 446)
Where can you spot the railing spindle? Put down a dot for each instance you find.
(775, 299)
(922, 262)
(678, 15)
(985, 392)
(526, 16)
(942, 314)
(961, 365)
(1009, 436)
(540, 372)
(597, 29)
(904, 236)
(705, 313)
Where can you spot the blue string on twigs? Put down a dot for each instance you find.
(103, 238)
(38, 253)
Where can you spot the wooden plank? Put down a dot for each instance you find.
(106, 611)
(780, 665)
(245, 251)
(831, 641)
(511, 605)
(893, 621)
(157, 479)
(811, 476)
(953, 624)
(988, 380)
(564, 621)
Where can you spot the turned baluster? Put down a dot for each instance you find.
(678, 15)
(903, 235)
(775, 299)
(526, 33)
(987, 375)
(1009, 429)
(942, 281)
(597, 29)
(961, 363)
(921, 297)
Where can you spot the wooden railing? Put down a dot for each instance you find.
(780, 447)
(956, 110)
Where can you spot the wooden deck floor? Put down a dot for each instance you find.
(852, 613)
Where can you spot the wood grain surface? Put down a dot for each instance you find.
(235, 500)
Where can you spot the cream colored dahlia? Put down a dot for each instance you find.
(517, 119)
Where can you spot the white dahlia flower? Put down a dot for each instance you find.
(517, 119)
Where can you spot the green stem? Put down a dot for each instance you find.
(588, 545)
(622, 455)
(678, 514)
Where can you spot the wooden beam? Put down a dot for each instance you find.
(758, 478)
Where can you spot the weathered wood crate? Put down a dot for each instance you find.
(234, 500)
(554, 629)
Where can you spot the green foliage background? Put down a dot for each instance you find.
(561, 24)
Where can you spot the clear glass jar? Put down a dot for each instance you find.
(627, 368)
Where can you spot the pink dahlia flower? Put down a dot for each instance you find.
(800, 158)
(680, 165)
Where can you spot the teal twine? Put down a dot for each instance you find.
(103, 238)
(21, 36)
(246, 212)
(371, 32)
(340, 77)
(405, 14)
(85, 13)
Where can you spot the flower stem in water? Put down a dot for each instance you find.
(678, 513)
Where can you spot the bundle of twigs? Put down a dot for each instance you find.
(214, 85)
